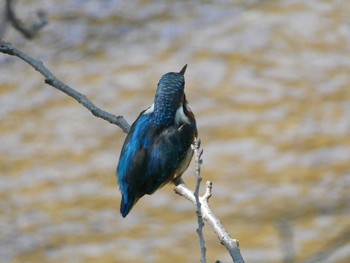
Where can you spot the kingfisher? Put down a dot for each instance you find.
(157, 149)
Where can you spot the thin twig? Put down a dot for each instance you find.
(50, 79)
(28, 32)
(198, 153)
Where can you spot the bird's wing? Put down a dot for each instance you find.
(132, 162)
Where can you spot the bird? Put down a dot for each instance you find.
(157, 150)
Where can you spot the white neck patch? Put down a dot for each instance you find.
(180, 116)
(149, 110)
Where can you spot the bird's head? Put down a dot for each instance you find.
(169, 97)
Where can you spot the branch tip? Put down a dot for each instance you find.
(208, 190)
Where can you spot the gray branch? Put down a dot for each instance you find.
(28, 32)
(198, 154)
(50, 79)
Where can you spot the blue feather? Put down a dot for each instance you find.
(135, 141)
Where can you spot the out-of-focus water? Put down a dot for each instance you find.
(269, 84)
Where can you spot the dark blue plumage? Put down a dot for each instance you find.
(157, 149)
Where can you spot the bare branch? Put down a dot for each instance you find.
(231, 245)
(50, 79)
(198, 153)
(28, 32)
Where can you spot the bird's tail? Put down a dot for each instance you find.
(126, 204)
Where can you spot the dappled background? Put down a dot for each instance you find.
(269, 84)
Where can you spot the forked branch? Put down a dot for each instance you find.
(204, 211)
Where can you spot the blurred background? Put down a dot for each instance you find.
(269, 84)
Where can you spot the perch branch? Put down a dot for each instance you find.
(204, 211)
(198, 154)
(230, 244)
(50, 79)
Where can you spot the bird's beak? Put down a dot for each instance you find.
(183, 70)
